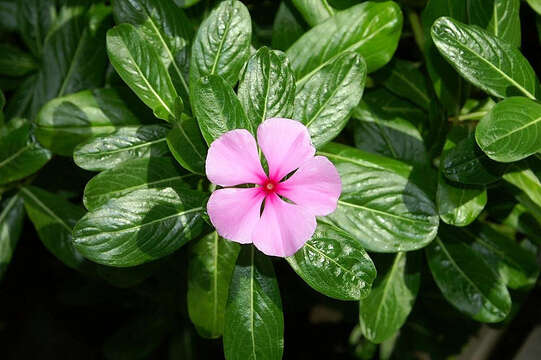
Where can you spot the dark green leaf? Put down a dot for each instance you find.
(379, 206)
(267, 87)
(140, 66)
(67, 121)
(325, 101)
(466, 281)
(334, 264)
(509, 132)
(254, 322)
(210, 269)
(484, 60)
(125, 277)
(217, 108)
(20, 154)
(287, 27)
(19, 103)
(8, 15)
(388, 305)
(133, 142)
(54, 218)
(498, 17)
(187, 145)
(314, 11)
(141, 226)
(369, 29)
(133, 175)
(222, 43)
(15, 62)
(11, 224)
(34, 18)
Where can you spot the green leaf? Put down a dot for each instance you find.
(370, 29)
(517, 266)
(466, 281)
(509, 132)
(20, 154)
(167, 28)
(484, 60)
(267, 87)
(314, 11)
(325, 101)
(254, 322)
(11, 225)
(222, 43)
(140, 66)
(388, 305)
(499, 17)
(8, 15)
(379, 206)
(15, 62)
(210, 270)
(404, 79)
(536, 5)
(34, 18)
(187, 145)
(467, 164)
(19, 103)
(334, 264)
(217, 108)
(527, 181)
(141, 226)
(130, 142)
(287, 27)
(385, 125)
(125, 277)
(133, 175)
(67, 121)
(54, 218)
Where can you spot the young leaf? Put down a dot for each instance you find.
(466, 281)
(388, 305)
(334, 264)
(217, 108)
(210, 269)
(54, 218)
(136, 174)
(314, 11)
(20, 154)
(140, 66)
(509, 132)
(130, 142)
(381, 208)
(267, 87)
(11, 224)
(141, 226)
(370, 29)
(484, 60)
(254, 322)
(499, 17)
(187, 145)
(325, 101)
(222, 43)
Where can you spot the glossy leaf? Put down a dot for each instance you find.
(334, 264)
(140, 66)
(20, 154)
(325, 101)
(54, 218)
(379, 207)
(210, 270)
(498, 17)
(67, 121)
(527, 181)
(267, 87)
(187, 144)
(141, 226)
(133, 175)
(133, 142)
(314, 11)
(217, 108)
(370, 29)
(11, 224)
(466, 281)
(484, 60)
(536, 5)
(222, 43)
(388, 305)
(254, 323)
(510, 131)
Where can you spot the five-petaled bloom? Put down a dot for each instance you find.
(282, 227)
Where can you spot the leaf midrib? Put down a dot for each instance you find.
(15, 155)
(132, 147)
(386, 287)
(47, 209)
(345, 203)
(514, 131)
(181, 129)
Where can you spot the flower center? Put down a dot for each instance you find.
(269, 186)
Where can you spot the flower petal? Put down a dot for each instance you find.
(315, 185)
(235, 212)
(233, 159)
(286, 145)
(283, 228)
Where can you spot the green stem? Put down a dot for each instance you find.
(418, 34)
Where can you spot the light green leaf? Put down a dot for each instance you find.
(187, 144)
(536, 5)
(11, 224)
(334, 264)
(314, 11)
(210, 270)
(499, 17)
(254, 322)
(525, 180)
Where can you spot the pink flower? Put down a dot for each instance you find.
(282, 227)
